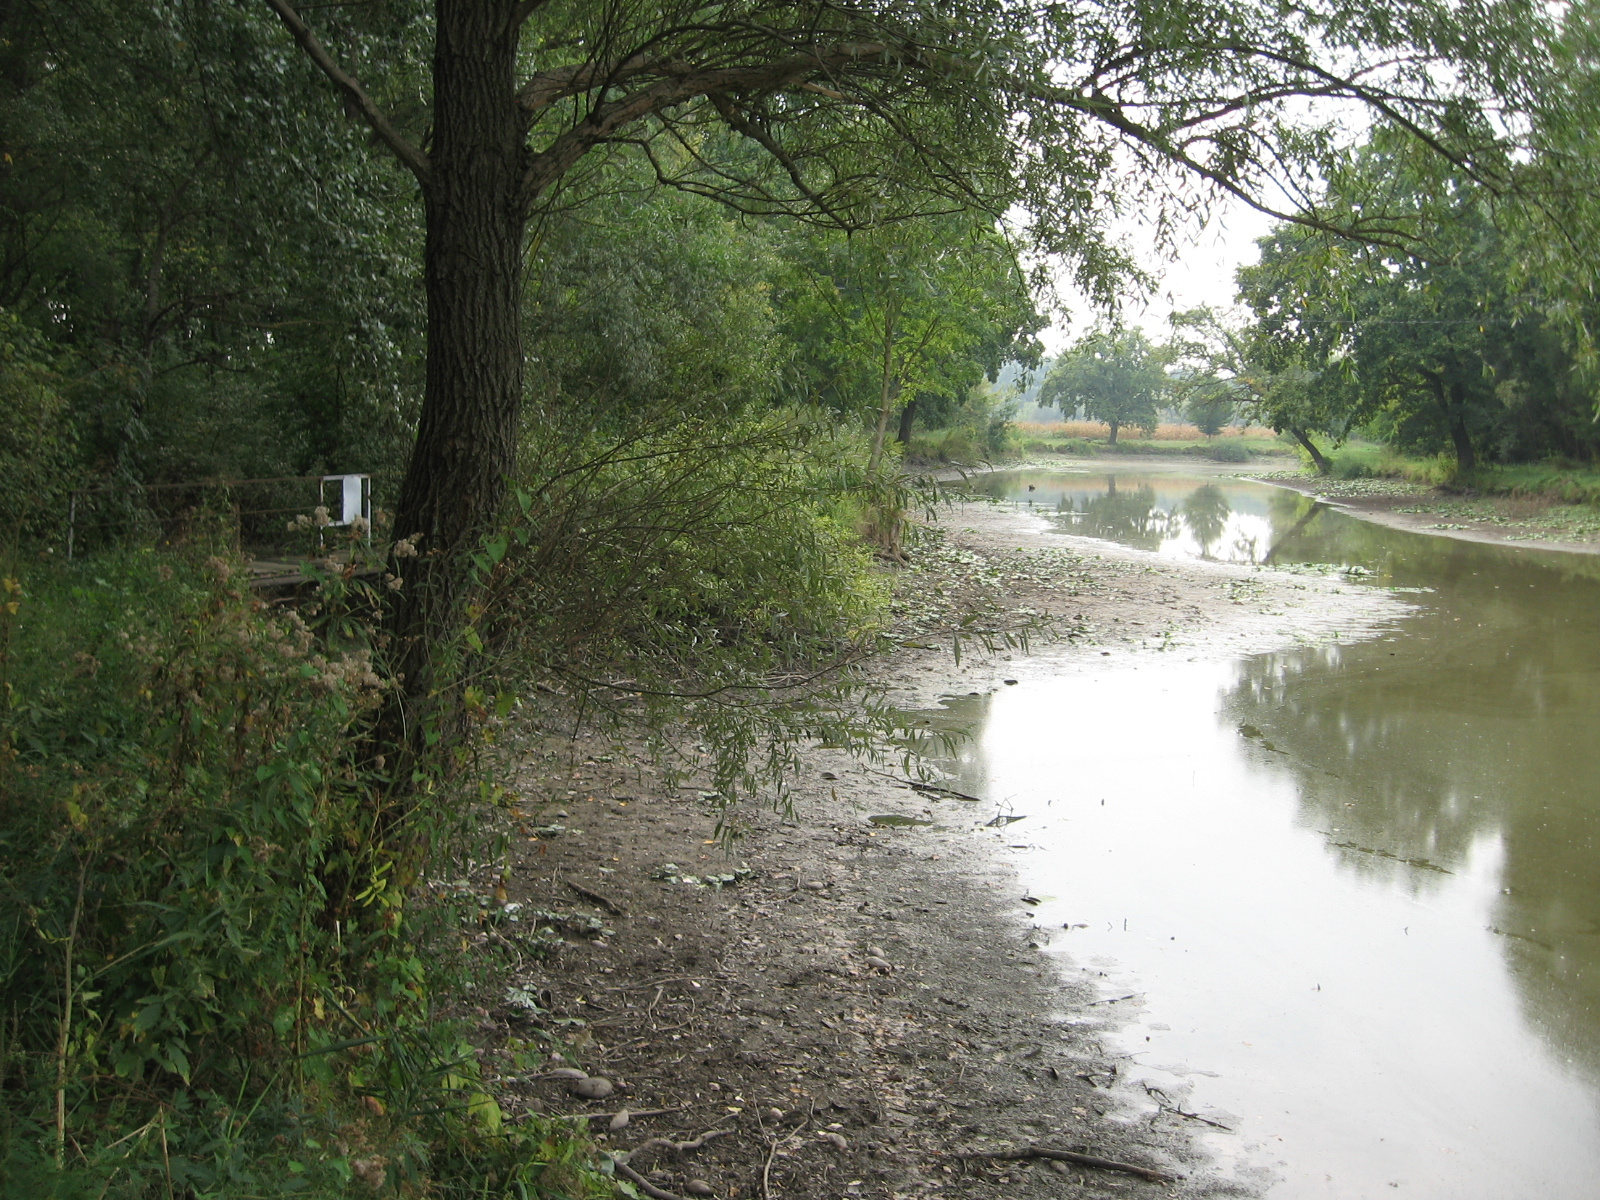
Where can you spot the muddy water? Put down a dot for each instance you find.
(1351, 892)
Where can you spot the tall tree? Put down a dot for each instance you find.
(1263, 368)
(922, 307)
(850, 114)
(1115, 376)
(1434, 343)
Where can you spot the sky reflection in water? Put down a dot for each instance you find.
(1356, 885)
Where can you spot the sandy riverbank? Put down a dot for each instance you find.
(758, 1009)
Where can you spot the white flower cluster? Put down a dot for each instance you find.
(353, 671)
(407, 547)
(319, 518)
(294, 636)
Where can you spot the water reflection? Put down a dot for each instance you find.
(1205, 513)
(1171, 515)
(1360, 881)
(1476, 727)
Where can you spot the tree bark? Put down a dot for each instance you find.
(1466, 453)
(467, 434)
(888, 392)
(1324, 467)
(908, 416)
(1452, 402)
(1115, 425)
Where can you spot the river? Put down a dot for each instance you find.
(1350, 891)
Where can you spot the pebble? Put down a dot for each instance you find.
(813, 885)
(698, 1187)
(879, 964)
(837, 1140)
(877, 952)
(593, 1088)
(619, 1121)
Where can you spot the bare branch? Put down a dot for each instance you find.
(679, 85)
(413, 158)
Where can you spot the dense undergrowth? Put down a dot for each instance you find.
(220, 974)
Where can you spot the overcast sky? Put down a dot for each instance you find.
(1202, 274)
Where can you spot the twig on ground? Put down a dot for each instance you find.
(919, 786)
(605, 902)
(1070, 1156)
(644, 1185)
(682, 1147)
(632, 1113)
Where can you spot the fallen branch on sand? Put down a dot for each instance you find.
(643, 1184)
(933, 788)
(1069, 1156)
(605, 902)
(681, 1147)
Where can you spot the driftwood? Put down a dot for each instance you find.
(632, 1112)
(605, 902)
(1070, 1156)
(917, 785)
(644, 1185)
(681, 1147)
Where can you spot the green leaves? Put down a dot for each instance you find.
(1115, 376)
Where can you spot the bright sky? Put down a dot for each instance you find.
(1201, 274)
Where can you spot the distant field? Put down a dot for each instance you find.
(1097, 429)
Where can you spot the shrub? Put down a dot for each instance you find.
(1229, 450)
(206, 957)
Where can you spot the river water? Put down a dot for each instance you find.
(1352, 891)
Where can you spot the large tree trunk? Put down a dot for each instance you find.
(1452, 402)
(908, 416)
(1466, 454)
(467, 434)
(1323, 466)
(1115, 425)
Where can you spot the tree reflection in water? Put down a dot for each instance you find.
(1132, 517)
(1470, 736)
(1205, 511)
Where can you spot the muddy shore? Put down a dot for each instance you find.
(1533, 522)
(863, 1005)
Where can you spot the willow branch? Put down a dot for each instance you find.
(413, 159)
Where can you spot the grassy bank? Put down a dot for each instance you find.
(1556, 482)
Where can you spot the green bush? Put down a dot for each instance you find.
(1228, 450)
(206, 956)
(38, 447)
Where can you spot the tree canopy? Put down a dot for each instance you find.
(1115, 376)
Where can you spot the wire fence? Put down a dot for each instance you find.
(276, 518)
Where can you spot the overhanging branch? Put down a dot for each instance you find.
(414, 159)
